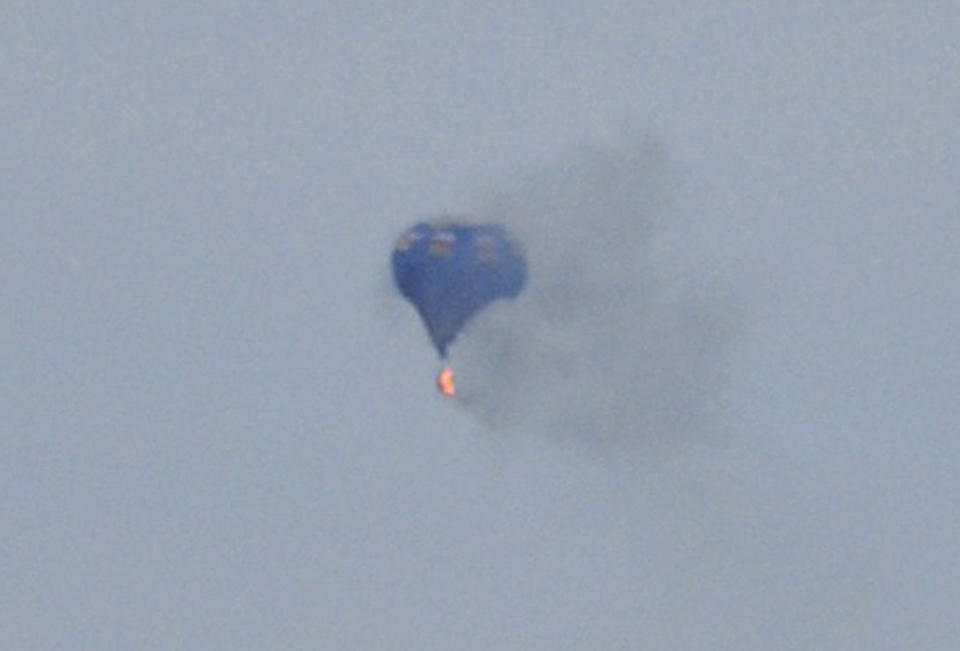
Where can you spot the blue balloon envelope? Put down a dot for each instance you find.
(450, 270)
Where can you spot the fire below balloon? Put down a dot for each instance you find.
(445, 382)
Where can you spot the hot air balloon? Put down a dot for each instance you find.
(451, 269)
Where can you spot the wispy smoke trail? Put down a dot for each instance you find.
(618, 334)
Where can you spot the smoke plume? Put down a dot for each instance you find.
(619, 334)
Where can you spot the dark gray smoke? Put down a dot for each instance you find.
(619, 334)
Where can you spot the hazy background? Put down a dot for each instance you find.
(723, 415)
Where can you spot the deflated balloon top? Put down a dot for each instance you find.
(450, 269)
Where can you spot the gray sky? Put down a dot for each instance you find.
(723, 414)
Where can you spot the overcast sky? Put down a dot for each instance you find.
(723, 414)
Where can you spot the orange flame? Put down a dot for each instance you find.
(445, 382)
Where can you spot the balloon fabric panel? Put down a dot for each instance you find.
(450, 270)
